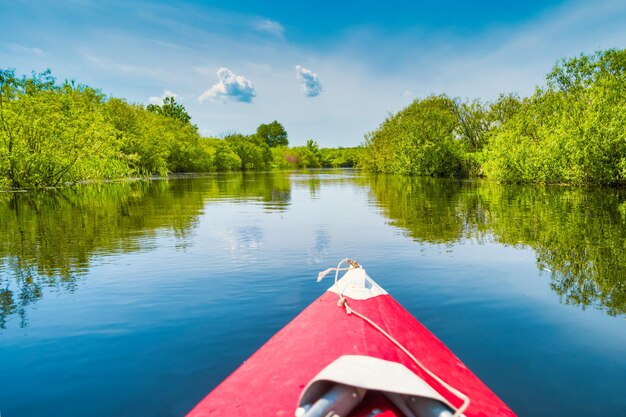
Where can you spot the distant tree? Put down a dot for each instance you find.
(253, 151)
(170, 108)
(312, 146)
(473, 124)
(274, 134)
(418, 140)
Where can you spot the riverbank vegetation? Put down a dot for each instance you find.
(571, 130)
(55, 133)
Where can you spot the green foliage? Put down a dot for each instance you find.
(473, 124)
(224, 159)
(51, 134)
(308, 156)
(274, 134)
(64, 133)
(419, 140)
(254, 152)
(503, 109)
(573, 130)
(170, 108)
(340, 157)
(284, 158)
(312, 156)
(157, 144)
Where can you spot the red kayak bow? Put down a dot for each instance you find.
(353, 352)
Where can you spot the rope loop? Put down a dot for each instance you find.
(343, 302)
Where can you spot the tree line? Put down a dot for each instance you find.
(56, 133)
(571, 130)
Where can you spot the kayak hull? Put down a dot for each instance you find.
(271, 381)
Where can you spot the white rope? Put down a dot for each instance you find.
(344, 303)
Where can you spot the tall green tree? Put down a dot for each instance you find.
(170, 108)
(274, 134)
(418, 140)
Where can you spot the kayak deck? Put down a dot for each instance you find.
(271, 381)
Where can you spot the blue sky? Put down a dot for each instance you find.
(327, 71)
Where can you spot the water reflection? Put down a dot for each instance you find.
(579, 235)
(51, 237)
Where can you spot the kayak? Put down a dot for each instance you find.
(356, 352)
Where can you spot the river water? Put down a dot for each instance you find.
(137, 298)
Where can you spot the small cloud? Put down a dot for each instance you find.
(309, 83)
(15, 47)
(407, 94)
(159, 100)
(230, 87)
(270, 26)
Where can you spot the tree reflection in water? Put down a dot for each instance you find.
(579, 235)
(51, 237)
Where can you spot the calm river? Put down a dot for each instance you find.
(138, 298)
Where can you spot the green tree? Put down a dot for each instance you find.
(274, 134)
(308, 156)
(224, 158)
(573, 130)
(418, 140)
(473, 123)
(52, 134)
(503, 109)
(254, 153)
(170, 108)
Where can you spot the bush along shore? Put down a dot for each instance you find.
(571, 130)
(58, 133)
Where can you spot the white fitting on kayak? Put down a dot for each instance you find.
(365, 373)
(357, 285)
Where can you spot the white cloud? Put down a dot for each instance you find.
(271, 27)
(231, 87)
(159, 100)
(309, 82)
